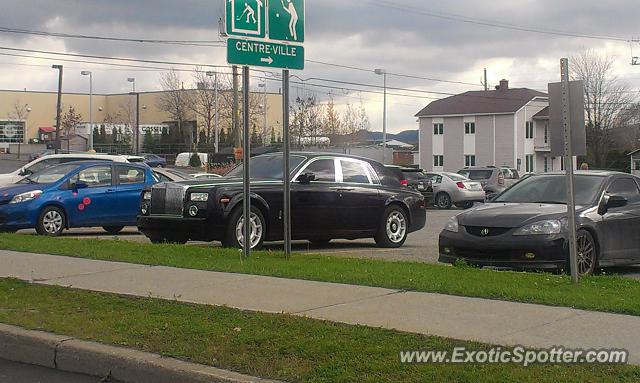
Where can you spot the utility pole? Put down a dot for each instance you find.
(59, 108)
(90, 74)
(215, 106)
(383, 72)
(486, 82)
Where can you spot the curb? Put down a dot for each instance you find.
(121, 364)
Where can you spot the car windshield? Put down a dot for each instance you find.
(266, 167)
(552, 189)
(476, 174)
(49, 175)
(414, 175)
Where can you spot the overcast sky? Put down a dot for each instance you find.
(403, 37)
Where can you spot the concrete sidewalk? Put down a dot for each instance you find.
(489, 321)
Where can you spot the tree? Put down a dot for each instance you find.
(223, 136)
(70, 120)
(604, 97)
(202, 101)
(203, 139)
(362, 118)
(306, 121)
(148, 141)
(19, 111)
(332, 124)
(194, 161)
(273, 136)
(97, 138)
(174, 101)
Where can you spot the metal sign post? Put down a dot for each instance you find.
(285, 171)
(568, 161)
(246, 159)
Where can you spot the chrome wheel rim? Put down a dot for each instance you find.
(586, 250)
(52, 222)
(256, 230)
(443, 201)
(396, 227)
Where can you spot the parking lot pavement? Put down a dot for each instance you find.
(9, 163)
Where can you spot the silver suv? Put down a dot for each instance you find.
(493, 179)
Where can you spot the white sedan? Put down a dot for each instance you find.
(453, 189)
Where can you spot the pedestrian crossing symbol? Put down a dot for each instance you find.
(246, 17)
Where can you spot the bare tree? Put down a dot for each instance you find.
(362, 118)
(604, 96)
(307, 120)
(202, 101)
(174, 101)
(19, 111)
(226, 106)
(333, 125)
(70, 121)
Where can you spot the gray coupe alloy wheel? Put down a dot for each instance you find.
(587, 255)
(257, 230)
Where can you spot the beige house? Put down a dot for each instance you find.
(28, 115)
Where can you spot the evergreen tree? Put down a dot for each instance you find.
(273, 136)
(222, 137)
(148, 141)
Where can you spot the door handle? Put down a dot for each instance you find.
(111, 190)
(345, 189)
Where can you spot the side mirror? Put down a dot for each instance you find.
(611, 202)
(306, 178)
(24, 172)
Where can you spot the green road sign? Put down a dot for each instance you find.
(266, 54)
(286, 20)
(246, 18)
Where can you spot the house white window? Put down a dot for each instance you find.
(546, 133)
(529, 130)
(438, 129)
(469, 128)
(438, 161)
(546, 164)
(562, 163)
(469, 160)
(529, 163)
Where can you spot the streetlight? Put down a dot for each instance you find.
(264, 108)
(90, 74)
(133, 81)
(383, 73)
(216, 134)
(59, 106)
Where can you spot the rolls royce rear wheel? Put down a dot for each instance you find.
(235, 229)
(393, 229)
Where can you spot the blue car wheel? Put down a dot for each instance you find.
(51, 222)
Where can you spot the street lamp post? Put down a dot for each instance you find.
(383, 73)
(59, 107)
(264, 109)
(216, 132)
(90, 74)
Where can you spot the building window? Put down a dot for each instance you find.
(561, 163)
(469, 160)
(469, 128)
(546, 164)
(546, 133)
(529, 129)
(438, 161)
(529, 164)
(438, 129)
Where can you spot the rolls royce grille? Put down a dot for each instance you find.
(167, 199)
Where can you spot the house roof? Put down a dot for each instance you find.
(503, 101)
(634, 152)
(542, 115)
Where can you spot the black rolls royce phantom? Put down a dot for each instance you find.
(332, 197)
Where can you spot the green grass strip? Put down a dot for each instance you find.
(266, 345)
(599, 293)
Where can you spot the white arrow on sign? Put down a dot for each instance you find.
(268, 60)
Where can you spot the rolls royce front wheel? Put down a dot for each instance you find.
(235, 229)
(393, 229)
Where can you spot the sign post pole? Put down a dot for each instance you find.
(287, 175)
(568, 162)
(246, 160)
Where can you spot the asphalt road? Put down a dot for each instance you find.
(11, 372)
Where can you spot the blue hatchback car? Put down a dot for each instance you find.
(78, 194)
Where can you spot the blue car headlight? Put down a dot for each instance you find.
(26, 197)
(546, 227)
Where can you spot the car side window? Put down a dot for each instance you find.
(354, 172)
(128, 175)
(508, 175)
(324, 170)
(97, 176)
(435, 178)
(627, 188)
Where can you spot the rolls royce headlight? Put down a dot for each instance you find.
(26, 197)
(546, 227)
(146, 196)
(199, 197)
(452, 225)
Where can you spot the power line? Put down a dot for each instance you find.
(201, 43)
(489, 23)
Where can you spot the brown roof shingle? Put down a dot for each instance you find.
(481, 102)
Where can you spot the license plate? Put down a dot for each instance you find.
(421, 187)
